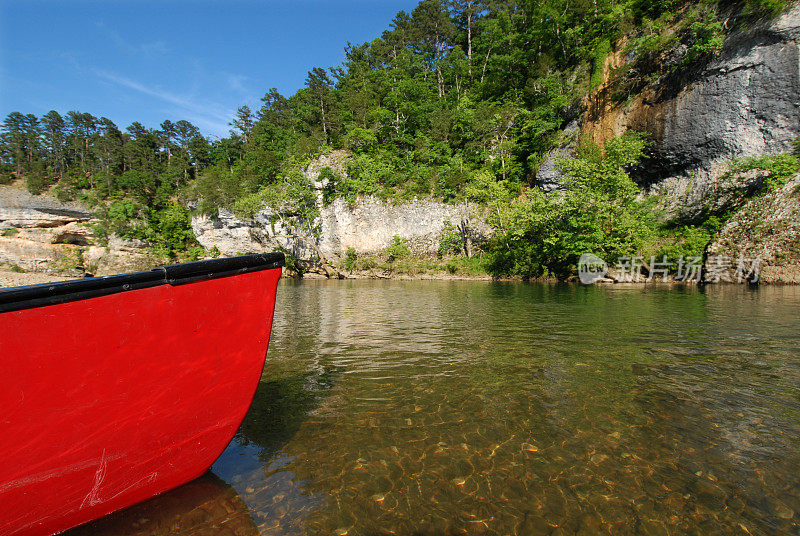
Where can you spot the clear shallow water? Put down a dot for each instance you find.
(437, 408)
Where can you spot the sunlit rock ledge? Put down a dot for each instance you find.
(41, 234)
(369, 226)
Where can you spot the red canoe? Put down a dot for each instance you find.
(114, 389)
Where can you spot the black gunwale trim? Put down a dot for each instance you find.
(17, 298)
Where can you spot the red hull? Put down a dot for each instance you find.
(110, 400)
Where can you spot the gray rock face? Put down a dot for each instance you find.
(549, 175)
(368, 227)
(20, 209)
(744, 103)
(371, 225)
(40, 233)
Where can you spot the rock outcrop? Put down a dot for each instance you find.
(766, 228)
(368, 226)
(548, 177)
(44, 235)
(746, 102)
(41, 234)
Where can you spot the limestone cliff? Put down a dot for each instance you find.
(746, 102)
(367, 227)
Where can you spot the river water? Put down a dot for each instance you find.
(438, 408)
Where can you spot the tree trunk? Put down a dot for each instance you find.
(466, 237)
(485, 64)
(324, 126)
(469, 39)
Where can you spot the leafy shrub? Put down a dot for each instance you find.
(598, 63)
(350, 259)
(772, 172)
(542, 235)
(654, 8)
(293, 264)
(451, 242)
(218, 186)
(37, 183)
(360, 140)
(762, 9)
(248, 205)
(689, 240)
(17, 269)
(171, 231)
(70, 261)
(398, 249)
(707, 41)
(331, 186)
(365, 174)
(124, 217)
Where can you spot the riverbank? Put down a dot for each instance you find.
(415, 269)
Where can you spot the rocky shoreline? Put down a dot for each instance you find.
(10, 278)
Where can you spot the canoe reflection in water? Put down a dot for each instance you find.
(204, 507)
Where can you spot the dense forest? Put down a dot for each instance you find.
(459, 99)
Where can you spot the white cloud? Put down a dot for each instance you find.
(236, 83)
(208, 116)
(155, 48)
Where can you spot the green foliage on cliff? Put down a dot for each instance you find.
(170, 231)
(775, 170)
(746, 179)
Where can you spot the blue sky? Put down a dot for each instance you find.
(146, 61)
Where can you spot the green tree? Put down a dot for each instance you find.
(320, 85)
(433, 30)
(54, 139)
(541, 234)
(14, 140)
(243, 123)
